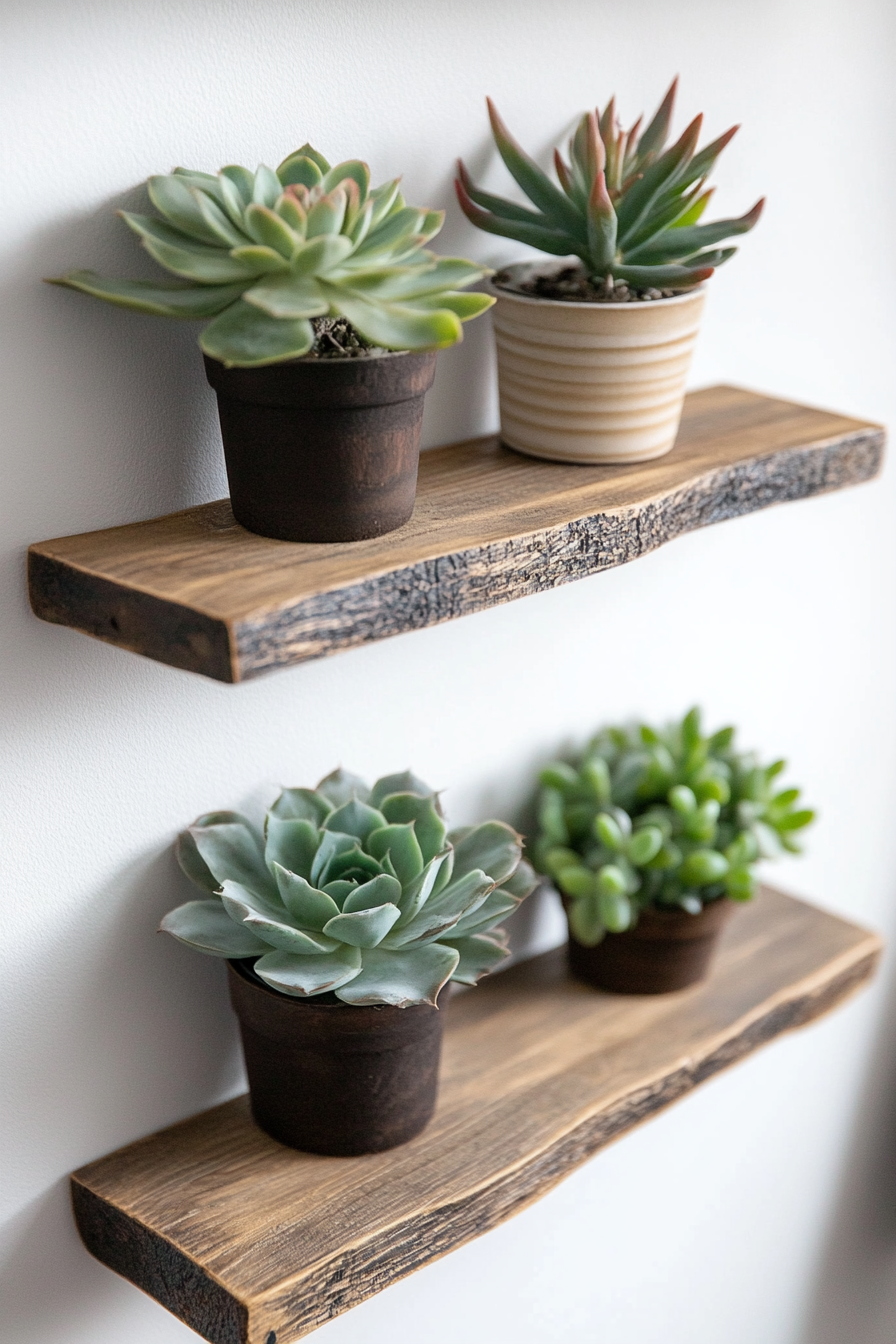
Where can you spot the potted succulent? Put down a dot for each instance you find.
(650, 836)
(593, 351)
(326, 312)
(341, 924)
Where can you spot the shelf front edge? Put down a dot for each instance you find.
(168, 632)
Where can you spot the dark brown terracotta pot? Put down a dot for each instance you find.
(330, 1078)
(323, 450)
(665, 950)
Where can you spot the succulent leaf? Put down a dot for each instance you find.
(207, 927)
(434, 878)
(245, 909)
(429, 828)
(243, 336)
(493, 847)
(191, 861)
(478, 956)
(143, 296)
(355, 818)
(402, 978)
(304, 976)
(241, 179)
(341, 786)
(402, 782)
(299, 170)
(291, 844)
(266, 187)
(352, 897)
(233, 850)
(624, 205)
(380, 890)
(444, 910)
(496, 906)
(363, 928)
(309, 907)
(305, 804)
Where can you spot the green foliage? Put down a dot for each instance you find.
(627, 206)
(660, 817)
(263, 253)
(353, 890)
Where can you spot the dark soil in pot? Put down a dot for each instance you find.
(326, 1077)
(323, 449)
(572, 285)
(666, 950)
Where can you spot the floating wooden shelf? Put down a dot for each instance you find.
(251, 1243)
(195, 590)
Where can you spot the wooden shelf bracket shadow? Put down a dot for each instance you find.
(249, 1242)
(196, 591)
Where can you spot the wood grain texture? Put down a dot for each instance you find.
(195, 590)
(252, 1243)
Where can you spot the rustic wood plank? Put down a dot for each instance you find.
(195, 590)
(251, 1243)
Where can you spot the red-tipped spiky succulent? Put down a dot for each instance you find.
(627, 207)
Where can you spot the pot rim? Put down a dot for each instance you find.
(247, 972)
(528, 267)
(306, 362)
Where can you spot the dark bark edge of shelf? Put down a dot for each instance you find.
(292, 1306)
(472, 580)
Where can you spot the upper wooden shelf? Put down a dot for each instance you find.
(252, 1243)
(195, 590)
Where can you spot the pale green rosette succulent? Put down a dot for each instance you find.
(264, 253)
(358, 891)
(660, 817)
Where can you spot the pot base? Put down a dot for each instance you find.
(612, 459)
(665, 951)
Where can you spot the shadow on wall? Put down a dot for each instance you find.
(49, 1285)
(855, 1297)
(108, 410)
(163, 1044)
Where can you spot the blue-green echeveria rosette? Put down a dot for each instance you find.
(663, 818)
(355, 890)
(262, 254)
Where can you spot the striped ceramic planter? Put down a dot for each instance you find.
(593, 382)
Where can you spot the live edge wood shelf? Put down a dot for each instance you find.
(251, 1243)
(197, 591)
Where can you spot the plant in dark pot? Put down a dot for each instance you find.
(593, 351)
(342, 921)
(326, 314)
(650, 836)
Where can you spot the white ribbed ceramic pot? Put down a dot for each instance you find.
(593, 382)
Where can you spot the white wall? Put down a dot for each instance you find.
(757, 1210)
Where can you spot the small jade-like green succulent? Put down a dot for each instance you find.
(263, 253)
(660, 817)
(354, 890)
(626, 206)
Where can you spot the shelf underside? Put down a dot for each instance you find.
(195, 590)
(249, 1242)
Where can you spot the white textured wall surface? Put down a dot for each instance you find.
(760, 1208)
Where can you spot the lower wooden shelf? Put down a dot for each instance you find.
(251, 1243)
